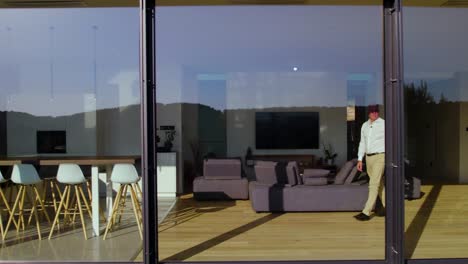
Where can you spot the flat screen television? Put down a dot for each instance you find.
(51, 142)
(287, 130)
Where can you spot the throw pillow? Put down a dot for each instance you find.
(265, 172)
(292, 175)
(344, 172)
(227, 169)
(292, 166)
(352, 176)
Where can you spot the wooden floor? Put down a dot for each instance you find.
(437, 227)
(165, 205)
(68, 244)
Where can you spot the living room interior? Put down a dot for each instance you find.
(222, 96)
(216, 100)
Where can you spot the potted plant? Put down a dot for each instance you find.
(170, 135)
(329, 154)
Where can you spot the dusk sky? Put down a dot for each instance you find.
(267, 55)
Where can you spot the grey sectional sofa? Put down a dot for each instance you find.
(280, 188)
(222, 180)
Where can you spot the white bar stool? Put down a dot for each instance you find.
(127, 176)
(26, 176)
(73, 178)
(6, 203)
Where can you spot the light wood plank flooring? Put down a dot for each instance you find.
(436, 227)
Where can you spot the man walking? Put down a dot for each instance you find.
(372, 145)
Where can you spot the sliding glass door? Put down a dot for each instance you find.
(247, 91)
(436, 94)
(69, 116)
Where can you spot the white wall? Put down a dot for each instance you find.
(119, 131)
(169, 111)
(116, 132)
(22, 127)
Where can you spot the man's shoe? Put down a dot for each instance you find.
(380, 212)
(362, 217)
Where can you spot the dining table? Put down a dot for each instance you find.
(97, 163)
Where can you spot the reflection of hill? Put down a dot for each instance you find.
(278, 108)
(106, 131)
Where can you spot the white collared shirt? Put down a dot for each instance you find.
(372, 138)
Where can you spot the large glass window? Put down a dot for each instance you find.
(436, 91)
(259, 111)
(70, 134)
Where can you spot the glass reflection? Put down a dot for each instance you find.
(69, 93)
(218, 67)
(436, 69)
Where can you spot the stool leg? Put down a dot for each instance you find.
(135, 209)
(122, 207)
(1, 225)
(21, 207)
(62, 202)
(42, 204)
(114, 209)
(75, 209)
(44, 190)
(139, 192)
(5, 201)
(34, 209)
(54, 200)
(58, 190)
(66, 197)
(85, 201)
(139, 207)
(12, 215)
(83, 224)
(10, 195)
(33, 205)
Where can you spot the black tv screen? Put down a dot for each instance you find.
(51, 142)
(287, 130)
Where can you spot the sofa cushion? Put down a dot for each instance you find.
(301, 198)
(352, 175)
(204, 189)
(293, 173)
(265, 172)
(222, 169)
(344, 172)
(316, 181)
(268, 172)
(316, 173)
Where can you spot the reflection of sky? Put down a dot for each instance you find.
(257, 47)
(47, 71)
(435, 50)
